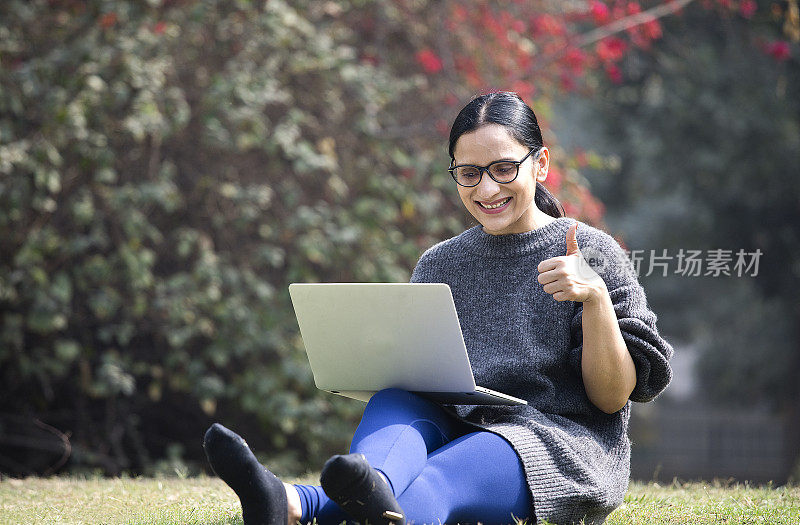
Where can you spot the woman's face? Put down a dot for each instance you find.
(517, 212)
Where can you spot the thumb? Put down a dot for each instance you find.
(572, 240)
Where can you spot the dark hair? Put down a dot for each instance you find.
(509, 110)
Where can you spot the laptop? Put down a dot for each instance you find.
(364, 337)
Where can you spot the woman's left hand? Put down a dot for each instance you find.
(569, 277)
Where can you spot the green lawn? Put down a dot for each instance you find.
(208, 501)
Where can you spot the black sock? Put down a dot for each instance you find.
(262, 495)
(360, 491)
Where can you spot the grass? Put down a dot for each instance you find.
(208, 501)
(707, 503)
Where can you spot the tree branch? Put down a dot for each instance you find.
(67, 451)
(614, 27)
(628, 22)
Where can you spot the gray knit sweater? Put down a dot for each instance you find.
(523, 342)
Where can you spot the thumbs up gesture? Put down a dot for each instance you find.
(569, 277)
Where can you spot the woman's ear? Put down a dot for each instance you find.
(542, 164)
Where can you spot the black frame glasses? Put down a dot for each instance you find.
(488, 169)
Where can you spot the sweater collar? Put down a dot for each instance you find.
(517, 244)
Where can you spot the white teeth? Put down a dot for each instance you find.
(493, 206)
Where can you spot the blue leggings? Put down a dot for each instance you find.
(439, 469)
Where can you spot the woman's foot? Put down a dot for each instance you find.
(360, 491)
(263, 496)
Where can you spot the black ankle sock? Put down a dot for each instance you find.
(262, 495)
(360, 491)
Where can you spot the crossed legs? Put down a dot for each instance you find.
(436, 467)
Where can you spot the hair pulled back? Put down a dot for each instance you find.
(509, 110)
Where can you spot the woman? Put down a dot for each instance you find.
(577, 342)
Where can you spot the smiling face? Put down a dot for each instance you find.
(502, 208)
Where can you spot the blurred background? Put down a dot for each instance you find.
(168, 167)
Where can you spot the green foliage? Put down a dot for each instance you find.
(167, 168)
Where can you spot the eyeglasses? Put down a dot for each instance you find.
(501, 171)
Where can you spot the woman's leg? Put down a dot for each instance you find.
(262, 495)
(397, 432)
(477, 477)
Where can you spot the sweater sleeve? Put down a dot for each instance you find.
(420, 271)
(424, 269)
(637, 323)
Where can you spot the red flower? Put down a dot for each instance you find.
(567, 82)
(614, 73)
(575, 59)
(429, 61)
(779, 50)
(547, 25)
(569, 208)
(652, 29)
(524, 61)
(525, 90)
(599, 12)
(611, 49)
(553, 180)
(159, 28)
(594, 209)
(108, 20)
(633, 8)
(748, 8)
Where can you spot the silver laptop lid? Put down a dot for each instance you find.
(367, 336)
